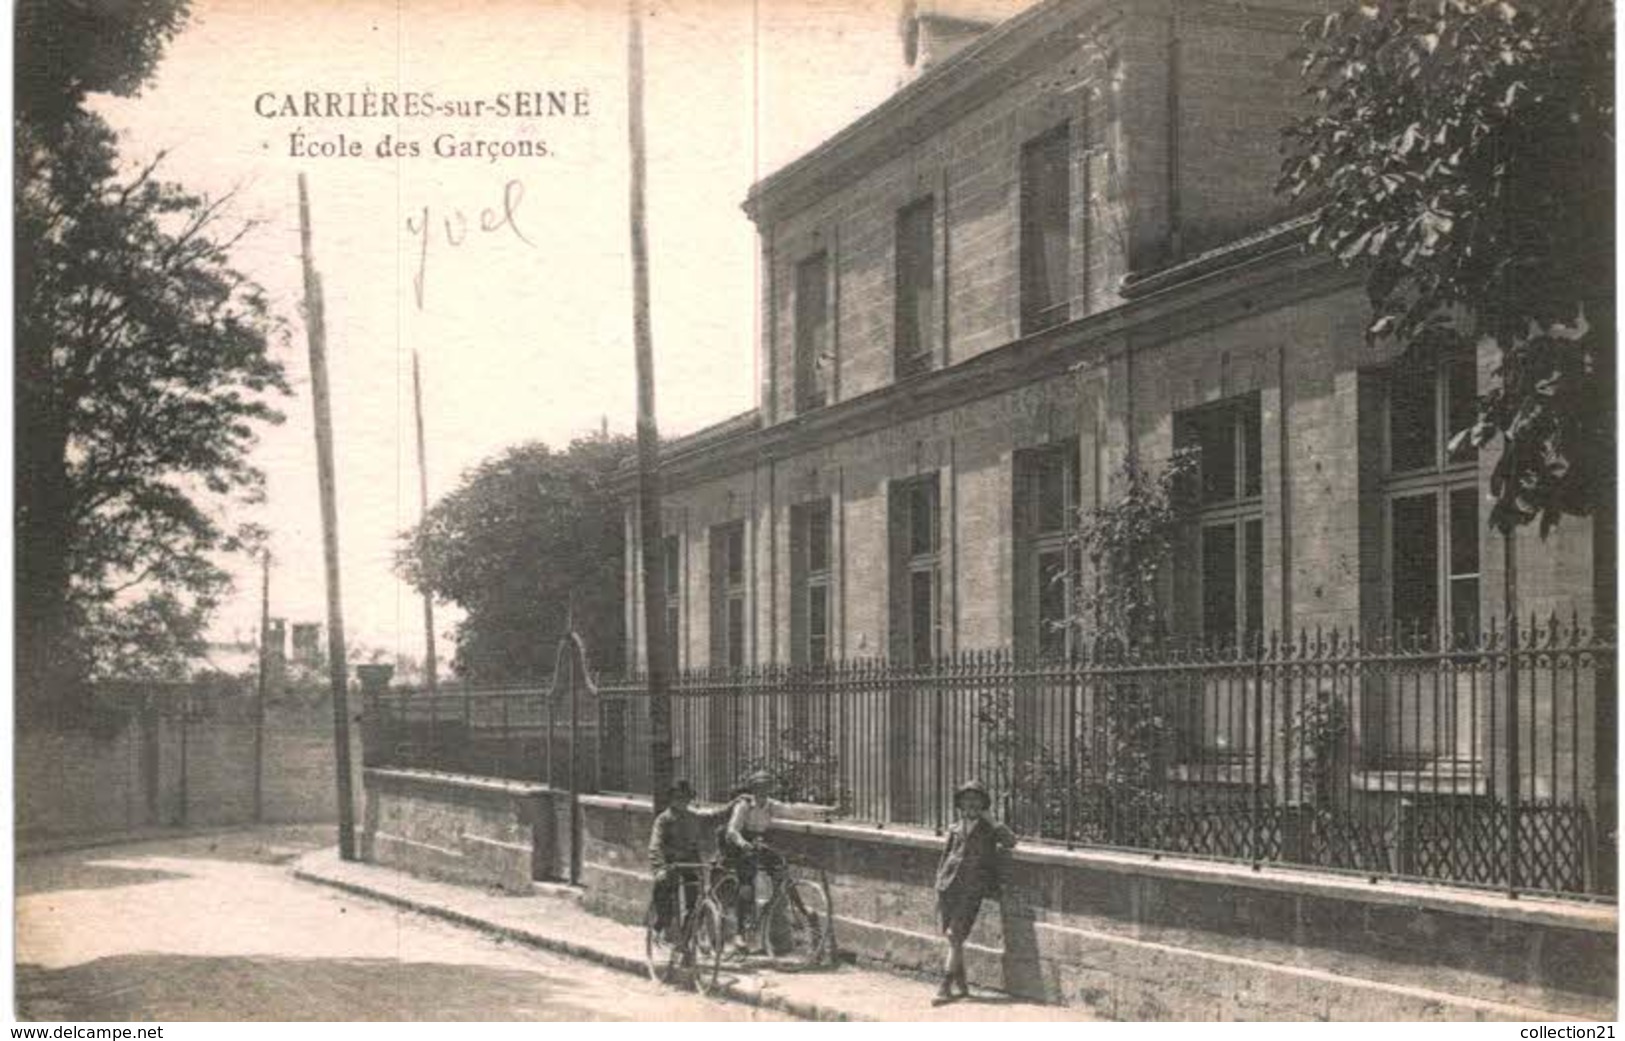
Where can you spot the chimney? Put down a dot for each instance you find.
(933, 31)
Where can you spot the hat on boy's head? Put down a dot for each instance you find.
(758, 779)
(680, 787)
(972, 787)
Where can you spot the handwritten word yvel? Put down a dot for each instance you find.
(492, 220)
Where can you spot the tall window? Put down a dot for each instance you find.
(810, 582)
(728, 594)
(1046, 230)
(1229, 518)
(1433, 501)
(815, 361)
(672, 571)
(916, 287)
(1045, 514)
(916, 579)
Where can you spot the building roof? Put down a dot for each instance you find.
(917, 109)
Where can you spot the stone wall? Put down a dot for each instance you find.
(149, 771)
(1142, 939)
(463, 829)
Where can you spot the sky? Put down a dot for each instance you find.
(523, 330)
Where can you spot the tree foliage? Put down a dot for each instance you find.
(143, 366)
(1463, 151)
(527, 537)
(69, 48)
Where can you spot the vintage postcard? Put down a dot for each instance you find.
(758, 510)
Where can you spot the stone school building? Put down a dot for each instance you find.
(1056, 244)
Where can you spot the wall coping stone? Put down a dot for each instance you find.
(465, 781)
(1583, 916)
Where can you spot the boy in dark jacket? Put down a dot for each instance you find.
(968, 871)
(674, 846)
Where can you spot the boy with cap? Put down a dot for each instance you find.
(967, 872)
(746, 851)
(674, 845)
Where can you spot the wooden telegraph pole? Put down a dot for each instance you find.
(431, 674)
(654, 615)
(264, 683)
(337, 669)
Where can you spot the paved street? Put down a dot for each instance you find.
(215, 928)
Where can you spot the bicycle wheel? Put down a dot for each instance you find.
(798, 923)
(707, 946)
(661, 958)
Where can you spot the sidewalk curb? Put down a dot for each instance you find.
(756, 997)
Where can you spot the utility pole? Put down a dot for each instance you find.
(259, 697)
(337, 669)
(431, 673)
(654, 615)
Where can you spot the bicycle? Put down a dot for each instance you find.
(797, 920)
(696, 948)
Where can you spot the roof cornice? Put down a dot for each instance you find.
(920, 108)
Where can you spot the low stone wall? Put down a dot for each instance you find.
(1129, 936)
(463, 829)
(1143, 939)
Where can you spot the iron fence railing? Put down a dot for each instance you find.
(1476, 763)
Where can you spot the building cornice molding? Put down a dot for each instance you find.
(1274, 270)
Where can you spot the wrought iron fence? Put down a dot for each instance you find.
(1476, 763)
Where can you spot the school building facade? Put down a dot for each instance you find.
(1057, 245)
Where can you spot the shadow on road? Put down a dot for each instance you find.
(139, 987)
(90, 875)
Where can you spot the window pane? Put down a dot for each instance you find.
(1412, 433)
(1252, 449)
(916, 296)
(1464, 532)
(812, 331)
(1464, 609)
(1416, 565)
(1461, 385)
(1046, 199)
(1051, 479)
(673, 565)
(736, 555)
(922, 615)
(1052, 603)
(818, 537)
(672, 640)
(1214, 431)
(1219, 585)
(1255, 579)
(817, 623)
(736, 631)
(922, 502)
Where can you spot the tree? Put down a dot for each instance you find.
(143, 365)
(1463, 151)
(69, 48)
(527, 537)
